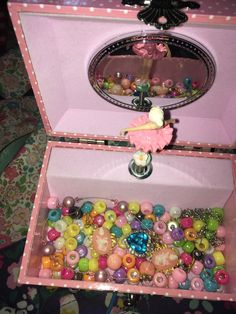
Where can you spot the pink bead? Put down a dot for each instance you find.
(155, 81)
(197, 284)
(65, 211)
(159, 227)
(160, 280)
(67, 273)
(52, 202)
(186, 258)
(114, 261)
(99, 220)
(45, 273)
(121, 252)
(166, 238)
(179, 275)
(168, 83)
(102, 262)
(221, 232)
(121, 221)
(72, 258)
(53, 234)
(139, 261)
(172, 283)
(146, 208)
(186, 222)
(117, 211)
(197, 267)
(220, 247)
(165, 217)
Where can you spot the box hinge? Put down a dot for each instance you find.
(91, 141)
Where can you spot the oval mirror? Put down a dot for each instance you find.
(142, 69)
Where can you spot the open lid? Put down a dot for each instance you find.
(62, 42)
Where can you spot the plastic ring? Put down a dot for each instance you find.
(72, 258)
(54, 215)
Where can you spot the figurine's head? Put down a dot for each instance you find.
(156, 115)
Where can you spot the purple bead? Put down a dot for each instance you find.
(119, 275)
(136, 225)
(177, 234)
(209, 261)
(82, 250)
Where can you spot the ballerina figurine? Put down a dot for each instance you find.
(150, 132)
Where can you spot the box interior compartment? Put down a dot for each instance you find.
(61, 48)
(187, 182)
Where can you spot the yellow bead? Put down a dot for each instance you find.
(71, 244)
(219, 258)
(126, 229)
(88, 230)
(94, 254)
(93, 265)
(46, 262)
(202, 244)
(68, 220)
(134, 207)
(100, 207)
(107, 224)
(110, 215)
(121, 242)
(198, 225)
(73, 230)
(66, 234)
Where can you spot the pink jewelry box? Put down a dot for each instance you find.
(57, 40)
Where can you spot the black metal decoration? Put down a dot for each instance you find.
(162, 14)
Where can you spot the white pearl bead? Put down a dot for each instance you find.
(59, 243)
(175, 212)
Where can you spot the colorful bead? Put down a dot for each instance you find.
(65, 211)
(48, 249)
(129, 216)
(110, 215)
(210, 285)
(190, 234)
(197, 255)
(219, 258)
(179, 275)
(197, 268)
(177, 234)
(212, 224)
(102, 262)
(146, 208)
(165, 217)
(198, 225)
(171, 225)
(134, 207)
(217, 212)
(175, 212)
(60, 225)
(133, 276)
(221, 277)
(93, 265)
(121, 221)
(73, 230)
(186, 222)
(99, 220)
(45, 273)
(54, 215)
(71, 244)
(83, 264)
(128, 260)
(80, 238)
(159, 280)
(116, 231)
(86, 208)
(146, 224)
(53, 234)
(52, 202)
(147, 268)
(67, 273)
(197, 284)
(88, 230)
(118, 250)
(89, 276)
(185, 285)
(172, 283)
(206, 273)
(126, 229)
(100, 207)
(166, 238)
(158, 210)
(72, 258)
(202, 244)
(114, 261)
(152, 217)
(82, 250)
(46, 262)
(122, 206)
(159, 227)
(186, 258)
(188, 247)
(209, 261)
(68, 202)
(59, 243)
(119, 276)
(221, 232)
(68, 220)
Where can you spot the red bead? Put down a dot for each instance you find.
(222, 277)
(102, 262)
(67, 273)
(186, 222)
(53, 234)
(186, 258)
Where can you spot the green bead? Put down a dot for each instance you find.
(51, 223)
(188, 247)
(84, 264)
(179, 243)
(212, 224)
(209, 234)
(198, 225)
(106, 85)
(218, 212)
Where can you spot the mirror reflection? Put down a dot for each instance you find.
(152, 68)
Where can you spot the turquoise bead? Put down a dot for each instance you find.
(147, 224)
(116, 231)
(185, 285)
(86, 207)
(54, 215)
(80, 238)
(210, 285)
(158, 210)
(207, 273)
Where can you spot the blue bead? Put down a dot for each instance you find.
(210, 285)
(185, 285)
(207, 273)
(80, 238)
(158, 210)
(54, 215)
(116, 231)
(138, 242)
(87, 207)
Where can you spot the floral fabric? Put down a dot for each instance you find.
(14, 80)
(27, 299)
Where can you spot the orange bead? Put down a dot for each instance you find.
(190, 234)
(133, 275)
(93, 213)
(57, 264)
(128, 260)
(88, 277)
(147, 268)
(46, 262)
(150, 216)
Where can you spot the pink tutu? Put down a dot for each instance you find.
(149, 140)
